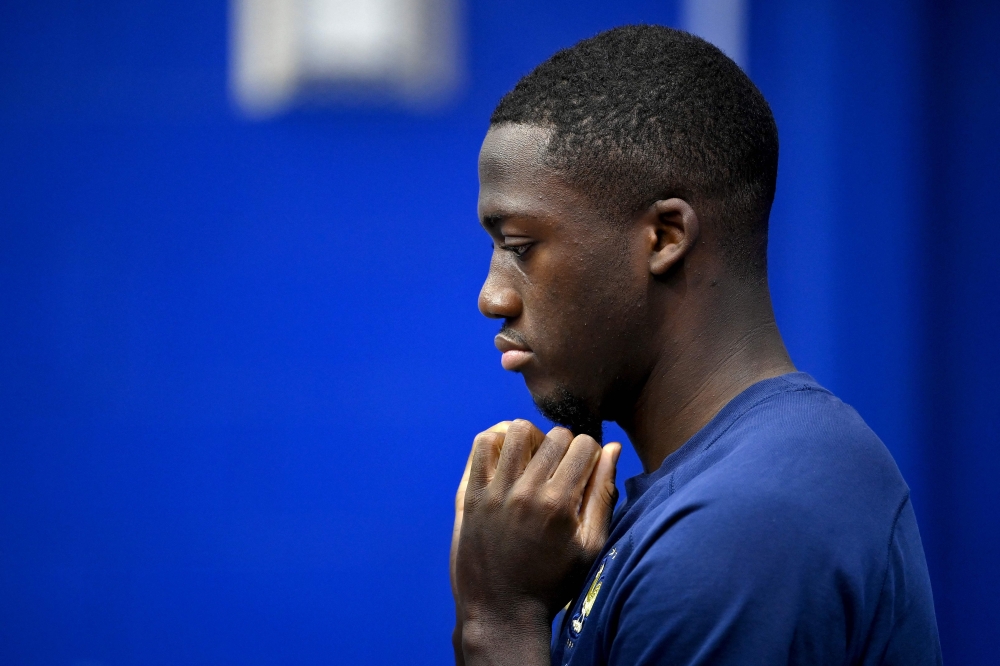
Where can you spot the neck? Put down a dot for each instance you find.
(712, 356)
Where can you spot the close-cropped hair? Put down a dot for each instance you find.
(643, 113)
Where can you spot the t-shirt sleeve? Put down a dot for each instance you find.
(905, 629)
(755, 583)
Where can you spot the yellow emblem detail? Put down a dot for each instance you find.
(588, 601)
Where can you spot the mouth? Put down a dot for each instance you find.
(515, 353)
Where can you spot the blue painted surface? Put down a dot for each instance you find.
(243, 363)
(962, 290)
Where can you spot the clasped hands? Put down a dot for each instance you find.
(531, 515)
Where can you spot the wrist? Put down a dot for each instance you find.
(520, 634)
(512, 611)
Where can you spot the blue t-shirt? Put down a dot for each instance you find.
(782, 532)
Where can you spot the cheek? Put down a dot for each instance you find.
(598, 309)
(612, 284)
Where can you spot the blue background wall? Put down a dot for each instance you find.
(242, 362)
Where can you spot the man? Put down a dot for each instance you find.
(626, 184)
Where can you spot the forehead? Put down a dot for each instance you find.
(514, 179)
(509, 149)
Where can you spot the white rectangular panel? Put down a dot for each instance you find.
(285, 49)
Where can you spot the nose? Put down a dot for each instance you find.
(497, 299)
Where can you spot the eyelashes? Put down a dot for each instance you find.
(516, 245)
(517, 250)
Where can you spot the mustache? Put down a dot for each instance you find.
(513, 335)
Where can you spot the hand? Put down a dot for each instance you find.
(536, 514)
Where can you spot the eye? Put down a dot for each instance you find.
(517, 248)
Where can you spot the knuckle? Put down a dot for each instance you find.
(521, 424)
(473, 500)
(519, 430)
(485, 437)
(521, 498)
(553, 501)
(584, 448)
(491, 500)
(500, 427)
(561, 435)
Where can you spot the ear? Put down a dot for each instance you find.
(672, 229)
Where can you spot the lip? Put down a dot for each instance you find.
(515, 355)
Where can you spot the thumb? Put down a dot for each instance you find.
(599, 499)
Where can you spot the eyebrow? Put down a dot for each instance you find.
(493, 219)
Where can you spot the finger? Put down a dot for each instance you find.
(550, 453)
(456, 531)
(571, 477)
(500, 427)
(485, 456)
(520, 443)
(599, 498)
(463, 484)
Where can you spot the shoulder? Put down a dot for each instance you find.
(781, 529)
(796, 486)
(775, 539)
(802, 456)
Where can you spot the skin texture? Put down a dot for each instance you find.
(642, 323)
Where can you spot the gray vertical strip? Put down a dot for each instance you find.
(722, 22)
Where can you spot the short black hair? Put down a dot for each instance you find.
(642, 113)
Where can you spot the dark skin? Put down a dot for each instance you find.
(644, 323)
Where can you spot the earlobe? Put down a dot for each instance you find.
(673, 230)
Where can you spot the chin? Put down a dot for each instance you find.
(566, 407)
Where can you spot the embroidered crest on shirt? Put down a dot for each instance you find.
(576, 623)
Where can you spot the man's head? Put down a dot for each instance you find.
(605, 172)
